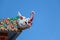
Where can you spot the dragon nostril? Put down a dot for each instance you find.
(29, 22)
(26, 22)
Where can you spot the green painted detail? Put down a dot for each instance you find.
(11, 21)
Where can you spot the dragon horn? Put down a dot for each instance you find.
(19, 14)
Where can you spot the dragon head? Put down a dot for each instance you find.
(24, 22)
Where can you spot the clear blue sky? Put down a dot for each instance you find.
(46, 24)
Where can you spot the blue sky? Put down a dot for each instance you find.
(46, 23)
